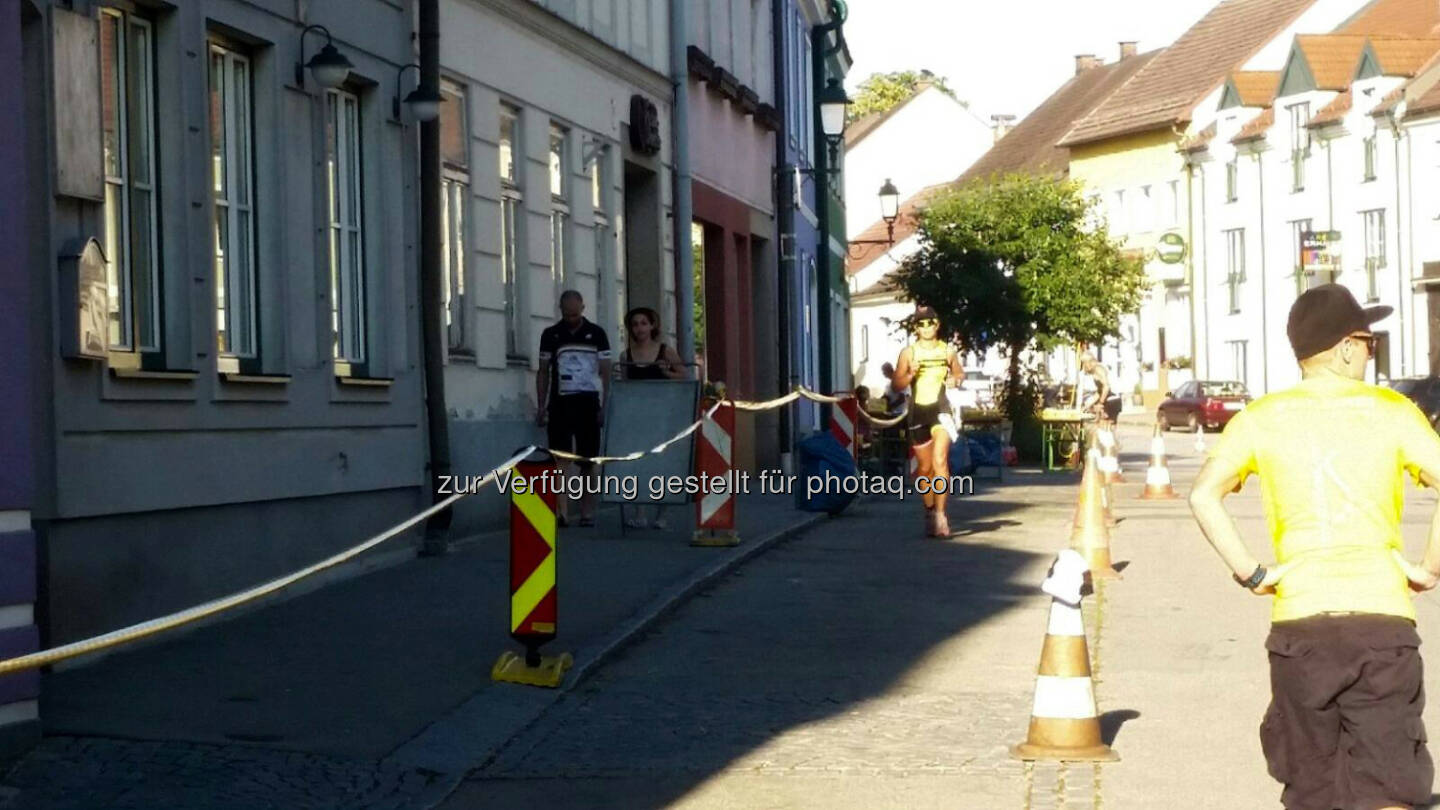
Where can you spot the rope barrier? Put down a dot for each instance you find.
(149, 628)
(190, 615)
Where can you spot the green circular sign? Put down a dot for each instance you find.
(1171, 248)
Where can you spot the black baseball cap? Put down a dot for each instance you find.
(921, 313)
(1323, 316)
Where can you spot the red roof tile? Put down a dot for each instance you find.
(1256, 87)
(1401, 56)
(1428, 102)
(1200, 140)
(1164, 93)
(1408, 18)
(1331, 57)
(1333, 112)
(1257, 127)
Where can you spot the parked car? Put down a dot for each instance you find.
(1203, 402)
(1424, 392)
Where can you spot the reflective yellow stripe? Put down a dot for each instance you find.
(538, 513)
(524, 600)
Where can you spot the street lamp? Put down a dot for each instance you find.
(330, 67)
(422, 101)
(833, 105)
(889, 211)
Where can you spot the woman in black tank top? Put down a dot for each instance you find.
(647, 358)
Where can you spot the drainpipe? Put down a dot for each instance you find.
(683, 213)
(784, 225)
(437, 528)
(1205, 265)
(1190, 263)
(1410, 210)
(1400, 231)
(1264, 305)
(818, 55)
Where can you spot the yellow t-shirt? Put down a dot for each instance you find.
(932, 364)
(1332, 454)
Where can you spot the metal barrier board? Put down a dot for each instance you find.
(639, 415)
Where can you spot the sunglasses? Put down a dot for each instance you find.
(927, 322)
(1368, 340)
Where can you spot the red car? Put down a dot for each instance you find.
(1203, 402)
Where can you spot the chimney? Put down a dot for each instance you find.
(1084, 62)
(1128, 49)
(1003, 124)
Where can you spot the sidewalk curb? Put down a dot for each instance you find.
(591, 659)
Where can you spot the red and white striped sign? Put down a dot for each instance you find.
(714, 456)
(844, 415)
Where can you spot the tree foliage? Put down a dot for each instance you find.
(882, 91)
(1017, 262)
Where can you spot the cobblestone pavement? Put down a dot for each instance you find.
(88, 774)
(859, 665)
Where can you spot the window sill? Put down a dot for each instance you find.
(367, 382)
(270, 379)
(141, 374)
(515, 361)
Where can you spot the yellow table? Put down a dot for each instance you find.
(1059, 425)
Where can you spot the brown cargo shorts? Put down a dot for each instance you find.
(1343, 729)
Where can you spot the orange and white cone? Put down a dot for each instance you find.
(1157, 475)
(1064, 723)
(1091, 533)
(1109, 456)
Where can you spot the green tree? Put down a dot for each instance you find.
(1016, 262)
(882, 91)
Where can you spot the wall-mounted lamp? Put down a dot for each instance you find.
(330, 67)
(833, 105)
(423, 102)
(889, 211)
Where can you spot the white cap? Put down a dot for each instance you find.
(1067, 575)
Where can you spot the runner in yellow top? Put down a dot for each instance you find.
(927, 366)
(1344, 726)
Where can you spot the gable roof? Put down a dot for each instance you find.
(1397, 56)
(1321, 62)
(1201, 140)
(1250, 88)
(857, 130)
(1031, 146)
(1163, 94)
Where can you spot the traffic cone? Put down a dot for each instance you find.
(1064, 723)
(1157, 475)
(1106, 490)
(1200, 437)
(1109, 456)
(1091, 533)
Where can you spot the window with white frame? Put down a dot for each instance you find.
(807, 94)
(1234, 265)
(1371, 154)
(1145, 210)
(864, 346)
(1298, 227)
(512, 203)
(127, 79)
(1172, 204)
(455, 193)
(346, 225)
(600, 204)
(232, 173)
(1232, 180)
(1119, 216)
(1299, 142)
(1374, 251)
(559, 208)
(1240, 360)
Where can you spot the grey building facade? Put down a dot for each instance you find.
(220, 270)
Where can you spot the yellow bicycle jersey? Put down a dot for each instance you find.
(932, 363)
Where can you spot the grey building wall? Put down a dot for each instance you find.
(184, 483)
(576, 65)
(19, 723)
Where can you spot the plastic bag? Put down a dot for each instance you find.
(820, 454)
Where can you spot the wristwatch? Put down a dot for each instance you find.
(1254, 580)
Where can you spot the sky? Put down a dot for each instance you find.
(1006, 56)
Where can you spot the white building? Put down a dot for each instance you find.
(1328, 149)
(931, 137)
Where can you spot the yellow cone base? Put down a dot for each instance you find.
(511, 669)
(1097, 753)
(710, 538)
(1098, 559)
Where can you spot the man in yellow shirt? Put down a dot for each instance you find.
(1344, 726)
